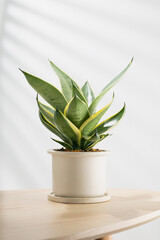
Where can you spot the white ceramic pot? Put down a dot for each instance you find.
(79, 175)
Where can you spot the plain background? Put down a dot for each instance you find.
(90, 40)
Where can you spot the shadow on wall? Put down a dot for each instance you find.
(21, 22)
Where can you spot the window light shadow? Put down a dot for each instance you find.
(105, 14)
(119, 46)
(53, 41)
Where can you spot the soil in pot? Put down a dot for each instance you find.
(79, 150)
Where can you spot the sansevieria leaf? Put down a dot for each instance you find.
(88, 92)
(51, 94)
(109, 123)
(76, 111)
(52, 128)
(93, 137)
(65, 80)
(64, 144)
(95, 102)
(91, 145)
(48, 112)
(90, 140)
(92, 121)
(77, 91)
(69, 86)
(67, 127)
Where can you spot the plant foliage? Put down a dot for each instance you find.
(71, 114)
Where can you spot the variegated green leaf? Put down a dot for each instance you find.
(64, 144)
(69, 86)
(88, 93)
(67, 127)
(92, 121)
(76, 111)
(51, 94)
(65, 80)
(90, 140)
(95, 102)
(94, 137)
(48, 112)
(52, 128)
(77, 91)
(91, 145)
(109, 123)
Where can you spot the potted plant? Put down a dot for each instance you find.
(79, 170)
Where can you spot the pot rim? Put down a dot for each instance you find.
(79, 154)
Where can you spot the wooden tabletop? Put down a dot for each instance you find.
(28, 214)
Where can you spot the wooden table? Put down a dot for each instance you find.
(29, 215)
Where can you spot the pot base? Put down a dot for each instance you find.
(55, 198)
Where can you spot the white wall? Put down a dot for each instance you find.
(90, 40)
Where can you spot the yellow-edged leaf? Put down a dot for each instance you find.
(92, 121)
(52, 128)
(77, 91)
(95, 102)
(109, 123)
(76, 111)
(67, 127)
(47, 111)
(88, 93)
(91, 145)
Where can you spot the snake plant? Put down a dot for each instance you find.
(71, 114)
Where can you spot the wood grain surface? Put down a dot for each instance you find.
(27, 214)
